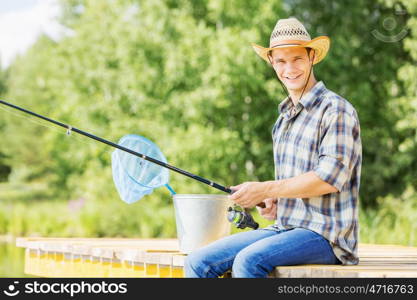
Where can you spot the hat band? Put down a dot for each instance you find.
(289, 43)
(279, 45)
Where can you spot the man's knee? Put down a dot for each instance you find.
(248, 264)
(198, 264)
(205, 263)
(241, 261)
(193, 264)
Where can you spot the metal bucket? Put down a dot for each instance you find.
(200, 219)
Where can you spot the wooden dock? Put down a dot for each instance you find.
(103, 257)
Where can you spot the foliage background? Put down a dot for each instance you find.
(183, 74)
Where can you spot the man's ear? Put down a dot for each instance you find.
(269, 57)
(311, 54)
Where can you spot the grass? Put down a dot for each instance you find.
(22, 215)
(393, 222)
(30, 211)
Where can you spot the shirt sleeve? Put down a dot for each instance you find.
(339, 148)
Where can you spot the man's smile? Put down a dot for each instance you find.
(292, 78)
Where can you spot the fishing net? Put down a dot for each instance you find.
(136, 177)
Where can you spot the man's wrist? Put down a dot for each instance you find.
(272, 188)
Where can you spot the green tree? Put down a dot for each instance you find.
(363, 69)
(405, 104)
(4, 169)
(187, 83)
(183, 74)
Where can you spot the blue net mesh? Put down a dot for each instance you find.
(136, 177)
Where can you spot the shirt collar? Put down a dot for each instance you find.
(307, 100)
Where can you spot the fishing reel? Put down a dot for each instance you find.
(241, 217)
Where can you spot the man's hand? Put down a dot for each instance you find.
(269, 212)
(248, 194)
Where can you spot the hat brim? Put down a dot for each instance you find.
(320, 44)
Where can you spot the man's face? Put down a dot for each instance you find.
(292, 66)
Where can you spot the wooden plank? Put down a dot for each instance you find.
(85, 246)
(35, 243)
(178, 260)
(26, 242)
(329, 270)
(161, 258)
(375, 273)
(128, 252)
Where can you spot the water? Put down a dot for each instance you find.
(12, 260)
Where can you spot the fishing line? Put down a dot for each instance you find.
(241, 218)
(68, 132)
(70, 129)
(6, 109)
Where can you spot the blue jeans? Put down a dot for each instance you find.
(256, 253)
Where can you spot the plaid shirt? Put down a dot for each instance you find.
(321, 134)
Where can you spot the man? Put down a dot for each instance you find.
(317, 155)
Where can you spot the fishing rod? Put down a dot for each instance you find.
(240, 217)
(99, 139)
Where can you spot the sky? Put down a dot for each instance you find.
(21, 22)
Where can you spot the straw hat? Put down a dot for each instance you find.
(291, 33)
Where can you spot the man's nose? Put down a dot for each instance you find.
(290, 66)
